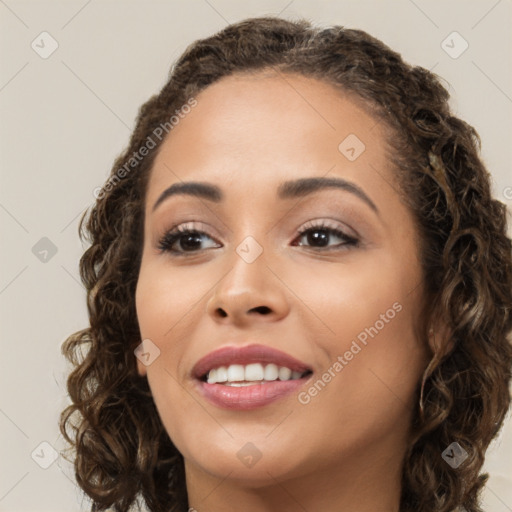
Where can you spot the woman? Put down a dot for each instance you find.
(299, 288)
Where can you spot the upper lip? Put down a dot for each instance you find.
(229, 355)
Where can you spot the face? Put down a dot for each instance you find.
(274, 268)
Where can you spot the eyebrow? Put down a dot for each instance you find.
(287, 190)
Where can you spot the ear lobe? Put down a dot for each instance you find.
(141, 369)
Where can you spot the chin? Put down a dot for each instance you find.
(253, 460)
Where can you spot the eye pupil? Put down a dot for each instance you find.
(314, 236)
(192, 241)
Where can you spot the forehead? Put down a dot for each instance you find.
(264, 128)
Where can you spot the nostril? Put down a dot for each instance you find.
(262, 309)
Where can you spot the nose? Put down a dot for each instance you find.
(249, 293)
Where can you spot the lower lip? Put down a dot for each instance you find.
(245, 398)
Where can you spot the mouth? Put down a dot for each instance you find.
(248, 377)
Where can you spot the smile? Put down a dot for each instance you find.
(248, 377)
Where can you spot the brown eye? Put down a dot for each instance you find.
(320, 236)
(182, 240)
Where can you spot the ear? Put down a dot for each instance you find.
(146, 352)
(141, 369)
(137, 353)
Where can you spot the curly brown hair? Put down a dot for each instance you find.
(123, 453)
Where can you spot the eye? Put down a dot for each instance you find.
(319, 235)
(183, 239)
(186, 238)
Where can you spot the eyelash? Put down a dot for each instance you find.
(167, 241)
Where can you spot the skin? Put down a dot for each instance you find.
(344, 449)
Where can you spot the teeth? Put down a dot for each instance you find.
(243, 375)
(284, 373)
(212, 376)
(271, 372)
(236, 373)
(253, 372)
(222, 374)
(238, 384)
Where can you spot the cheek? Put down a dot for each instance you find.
(369, 314)
(377, 365)
(164, 299)
(347, 298)
(164, 314)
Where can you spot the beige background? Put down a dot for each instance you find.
(63, 119)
